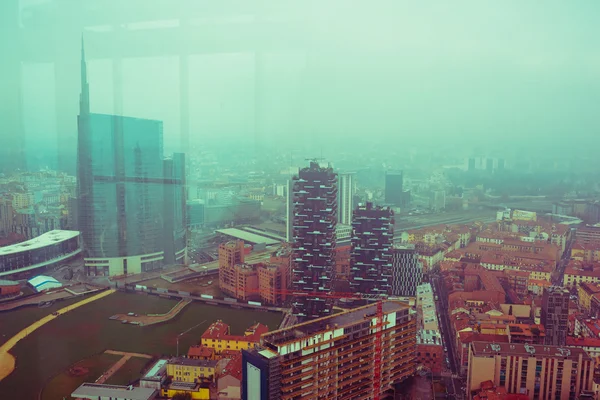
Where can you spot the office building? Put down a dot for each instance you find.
(371, 253)
(407, 270)
(346, 191)
(332, 357)
(35, 255)
(314, 239)
(539, 371)
(125, 225)
(393, 188)
(555, 315)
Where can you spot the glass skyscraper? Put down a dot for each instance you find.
(130, 200)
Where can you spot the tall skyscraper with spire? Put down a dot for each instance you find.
(128, 202)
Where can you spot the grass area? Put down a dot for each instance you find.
(87, 330)
(63, 384)
(129, 372)
(11, 322)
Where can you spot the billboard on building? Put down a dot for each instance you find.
(524, 215)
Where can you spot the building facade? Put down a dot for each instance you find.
(407, 270)
(174, 209)
(539, 371)
(371, 254)
(332, 357)
(314, 239)
(346, 191)
(122, 215)
(555, 315)
(34, 255)
(394, 188)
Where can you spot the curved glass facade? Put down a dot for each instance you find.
(47, 249)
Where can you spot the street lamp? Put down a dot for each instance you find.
(184, 332)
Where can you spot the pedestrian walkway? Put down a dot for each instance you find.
(126, 353)
(116, 366)
(7, 360)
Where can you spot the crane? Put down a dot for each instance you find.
(379, 324)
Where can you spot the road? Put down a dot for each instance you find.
(558, 276)
(451, 379)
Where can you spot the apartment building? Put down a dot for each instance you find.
(540, 371)
(332, 357)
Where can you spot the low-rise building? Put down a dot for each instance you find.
(95, 391)
(183, 369)
(430, 352)
(156, 376)
(585, 294)
(219, 337)
(577, 272)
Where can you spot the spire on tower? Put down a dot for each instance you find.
(84, 99)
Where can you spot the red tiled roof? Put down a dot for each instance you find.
(220, 330)
(579, 268)
(200, 351)
(468, 337)
(583, 342)
(217, 330)
(234, 366)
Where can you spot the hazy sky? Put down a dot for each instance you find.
(449, 70)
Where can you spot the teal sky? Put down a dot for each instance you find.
(472, 71)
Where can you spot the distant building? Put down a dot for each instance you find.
(371, 254)
(174, 208)
(289, 212)
(471, 164)
(332, 357)
(407, 270)
(540, 371)
(588, 234)
(194, 214)
(393, 188)
(314, 239)
(346, 191)
(555, 315)
(437, 200)
(501, 164)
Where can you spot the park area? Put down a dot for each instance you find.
(44, 357)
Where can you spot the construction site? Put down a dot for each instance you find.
(361, 354)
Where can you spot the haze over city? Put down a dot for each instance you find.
(277, 199)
